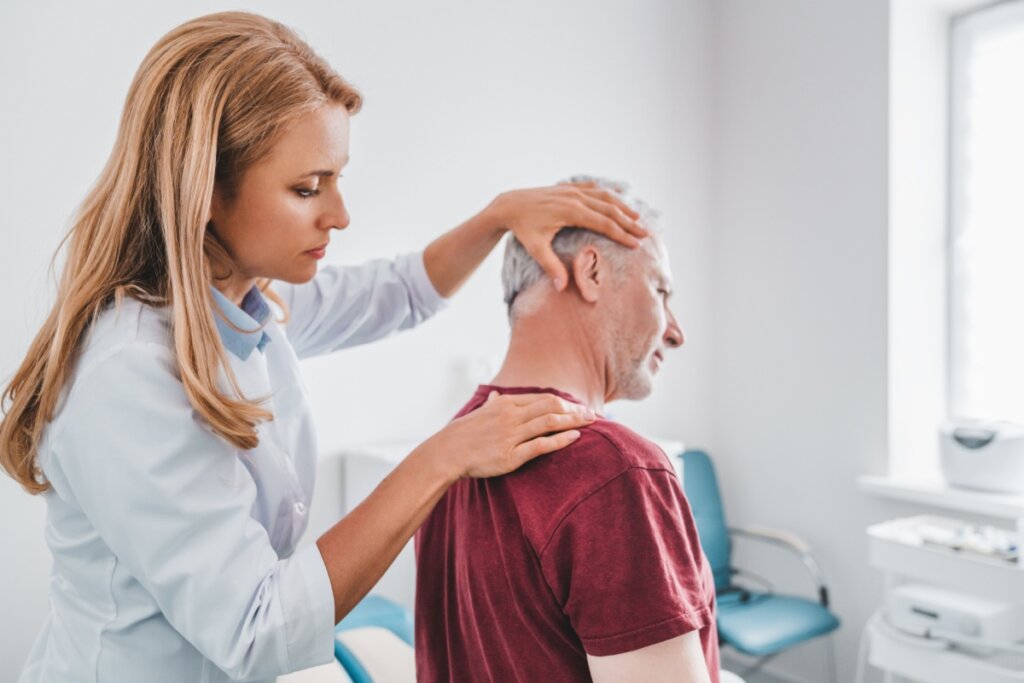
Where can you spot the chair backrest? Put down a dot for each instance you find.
(701, 487)
(376, 610)
(375, 640)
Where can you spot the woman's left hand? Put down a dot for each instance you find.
(536, 215)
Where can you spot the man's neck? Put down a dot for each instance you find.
(559, 352)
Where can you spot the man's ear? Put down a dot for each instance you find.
(589, 271)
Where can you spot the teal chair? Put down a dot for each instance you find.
(373, 610)
(759, 624)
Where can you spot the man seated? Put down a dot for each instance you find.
(584, 564)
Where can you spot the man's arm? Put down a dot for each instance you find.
(627, 570)
(677, 660)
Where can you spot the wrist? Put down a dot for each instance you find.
(494, 217)
(437, 463)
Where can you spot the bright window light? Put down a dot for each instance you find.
(986, 287)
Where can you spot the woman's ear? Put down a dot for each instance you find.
(216, 205)
(588, 272)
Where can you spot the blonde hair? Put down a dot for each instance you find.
(209, 100)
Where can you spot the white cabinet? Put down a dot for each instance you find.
(894, 549)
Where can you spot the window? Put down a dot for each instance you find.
(986, 240)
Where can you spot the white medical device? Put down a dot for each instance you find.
(983, 455)
(933, 612)
(953, 611)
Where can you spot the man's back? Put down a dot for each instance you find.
(591, 550)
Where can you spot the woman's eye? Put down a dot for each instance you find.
(306, 192)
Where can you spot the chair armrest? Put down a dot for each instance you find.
(792, 542)
(776, 536)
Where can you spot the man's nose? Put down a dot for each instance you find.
(673, 337)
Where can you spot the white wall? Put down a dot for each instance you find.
(463, 100)
(799, 289)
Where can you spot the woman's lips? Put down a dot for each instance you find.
(317, 253)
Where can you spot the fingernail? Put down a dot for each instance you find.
(590, 414)
(558, 283)
(574, 435)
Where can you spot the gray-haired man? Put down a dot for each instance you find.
(584, 565)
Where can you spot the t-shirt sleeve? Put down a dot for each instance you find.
(626, 565)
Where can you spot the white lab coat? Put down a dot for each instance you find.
(173, 550)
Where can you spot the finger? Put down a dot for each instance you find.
(531, 398)
(581, 183)
(550, 403)
(615, 185)
(552, 423)
(525, 452)
(612, 198)
(615, 212)
(544, 255)
(525, 407)
(599, 223)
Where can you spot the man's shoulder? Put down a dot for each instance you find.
(549, 488)
(604, 451)
(632, 448)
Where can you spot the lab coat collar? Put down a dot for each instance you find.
(250, 317)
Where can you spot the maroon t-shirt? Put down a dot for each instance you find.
(592, 549)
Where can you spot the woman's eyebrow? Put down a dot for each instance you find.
(325, 172)
(322, 173)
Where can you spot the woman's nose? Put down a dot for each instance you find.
(336, 217)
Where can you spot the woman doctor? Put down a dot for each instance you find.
(160, 409)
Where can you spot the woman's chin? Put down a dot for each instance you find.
(297, 276)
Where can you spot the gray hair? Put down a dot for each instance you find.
(520, 271)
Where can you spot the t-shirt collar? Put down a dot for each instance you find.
(251, 317)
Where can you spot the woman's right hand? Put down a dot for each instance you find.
(505, 432)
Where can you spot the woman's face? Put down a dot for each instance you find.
(279, 221)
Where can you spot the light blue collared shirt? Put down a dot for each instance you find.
(250, 319)
(174, 551)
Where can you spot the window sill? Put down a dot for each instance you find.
(939, 494)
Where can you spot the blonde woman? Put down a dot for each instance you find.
(160, 409)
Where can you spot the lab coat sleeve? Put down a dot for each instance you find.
(350, 305)
(172, 501)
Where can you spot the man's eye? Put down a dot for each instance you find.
(306, 192)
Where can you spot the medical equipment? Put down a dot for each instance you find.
(923, 610)
(983, 455)
(951, 534)
(938, 655)
(950, 613)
